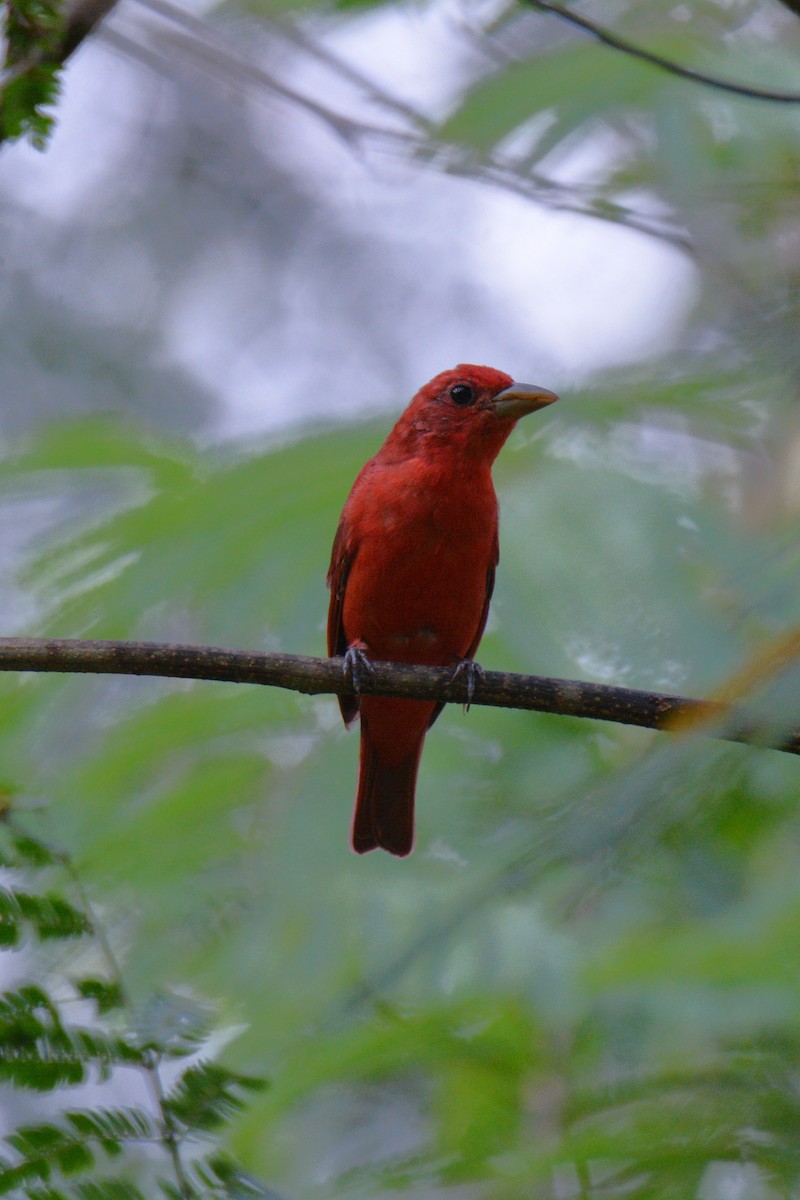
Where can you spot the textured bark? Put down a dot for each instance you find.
(312, 676)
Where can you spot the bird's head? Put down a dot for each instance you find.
(473, 409)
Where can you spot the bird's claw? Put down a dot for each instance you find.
(474, 673)
(355, 665)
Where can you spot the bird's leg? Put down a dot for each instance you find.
(474, 673)
(355, 664)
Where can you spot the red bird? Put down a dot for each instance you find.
(412, 572)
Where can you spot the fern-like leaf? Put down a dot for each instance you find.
(88, 1189)
(106, 1189)
(207, 1095)
(231, 1182)
(49, 916)
(111, 1124)
(105, 994)
(31, 852)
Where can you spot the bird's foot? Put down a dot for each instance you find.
(474, 673)
(355, 665)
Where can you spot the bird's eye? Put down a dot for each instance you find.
(461, 394)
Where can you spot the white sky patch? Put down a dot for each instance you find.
(594, 294)
(91, 146)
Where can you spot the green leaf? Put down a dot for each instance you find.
(47, 1068)
(45, 1148)
(32, 31)
(66, 1148)
(105, 994)
(38, 1052)
(25, 1015)
(115, 1124)
(236, 1184)
(23, 102)
(357, 4)
(50, 916)
(32, 852)
(576, 82)
(173, 1192)
(207, 1095)
(106, 1189)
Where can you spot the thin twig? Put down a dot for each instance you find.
(170, 1136)
(208, 50)
(600, 34)
(316, 676)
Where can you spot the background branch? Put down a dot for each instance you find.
(36, 46)
(667, 64)
(169, 34)
(314, 676)
(80, 19)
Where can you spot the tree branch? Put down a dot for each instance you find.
(666, 64)
(207, 49)
(315, 676)
(47, 48)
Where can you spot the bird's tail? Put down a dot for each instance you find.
(384, 813)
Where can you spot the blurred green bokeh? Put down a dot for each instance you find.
(585, 980)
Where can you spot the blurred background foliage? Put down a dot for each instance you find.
(256, 231)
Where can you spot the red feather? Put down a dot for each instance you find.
(412, 572)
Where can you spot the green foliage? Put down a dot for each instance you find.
(68, 1147)
(533, 111)
(67, 1155)
(584, 981)
(605, 982)
(23, 104)
(106, 994)
(32, 30)
(208, 1095)
(49, 916)
(499, 105)
(39, 1052)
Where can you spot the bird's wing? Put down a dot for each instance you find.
(337, 581)
(473, 646)
(490, 574)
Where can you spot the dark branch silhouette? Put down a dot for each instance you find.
(666, 64)
(80, 20)
(313, 676)
(47, 49)
(178, 35)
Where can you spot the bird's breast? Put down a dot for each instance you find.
(417, 583)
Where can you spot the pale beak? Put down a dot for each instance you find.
(520, 399)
